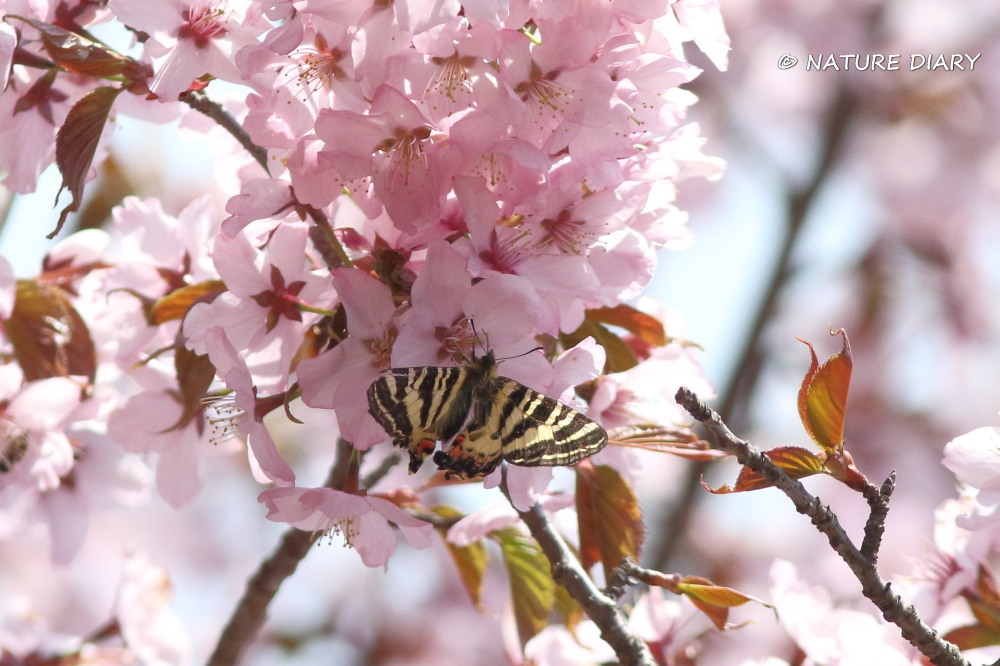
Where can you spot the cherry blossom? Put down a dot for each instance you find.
(331, 378)
(190, 38)
(394, 145)
(827, 634)
(365, 522)
(149, 626)
(234, 372)
(149, 422)
(35, 108)
(496, 516)
(37, 452)
(262, 305)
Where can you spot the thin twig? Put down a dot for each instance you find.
(878, 502)
(384, 467)
(198, 101)
(325, 240)
(567, 571)
(251, 610)
(879, 592)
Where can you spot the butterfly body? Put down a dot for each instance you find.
(485, 418)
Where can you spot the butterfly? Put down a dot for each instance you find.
(484, 417)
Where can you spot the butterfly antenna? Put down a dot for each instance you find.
(475, 334)
(530, 351)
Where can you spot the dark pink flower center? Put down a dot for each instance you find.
(202, 23)
(281, 300)
(566, 233)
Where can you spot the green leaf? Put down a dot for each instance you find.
(532, 589)
(610, 519)
(567, 607)
(470, 560)
(49, 337)
(76, 143)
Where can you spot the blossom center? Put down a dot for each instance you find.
(507, 247)
(544, 93)
(320, 65)
(202, 23)
(223, 416)
(457, 341)
(451, 81)
(281, 300)
(566, 233)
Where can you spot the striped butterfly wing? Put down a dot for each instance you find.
(484, 418)
(522, 426)
(420, 406)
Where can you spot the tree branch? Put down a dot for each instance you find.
(878, 502)
(879, 592)
(251, 610)
(198, 101)
(567, 571)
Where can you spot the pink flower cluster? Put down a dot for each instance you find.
(515, 177)
(439, 176)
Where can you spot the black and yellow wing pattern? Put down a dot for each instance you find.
(484, 417)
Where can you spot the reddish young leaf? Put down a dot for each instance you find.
(194, 375)
(76, 143)
(609, 517)
(823, 396)
(841, 467)
(618, 355)
(973, 636)
(49, 337)
(532, 589)
(714, 600)
(77, 54)
(984, 602)
(984, 599)
(796, 462)
(674, 441)
(644, 326)
(177, 303)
